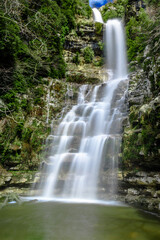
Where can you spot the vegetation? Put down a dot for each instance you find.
(88, 54)
(116, 10)
(32, 37)
(76, 58)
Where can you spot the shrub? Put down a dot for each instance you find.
(88, 54)
(76, 58)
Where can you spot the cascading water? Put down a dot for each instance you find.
(97, 15)
(89, 136)
(115, 48)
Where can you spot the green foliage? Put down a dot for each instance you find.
(88, 54)
(11, 101)
(27, 132)
(116, 10)
(131, 149)
(19, 129)
(101, 46)
(98, 28)
(136, 35)
(32, 35)
(76, 58)
(38, 94)
(99, 63)
(152, 2)
(83, 8)
(10, 42)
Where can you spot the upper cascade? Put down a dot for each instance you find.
(97, 15)
(115, 49)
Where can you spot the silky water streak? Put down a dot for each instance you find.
(85, 150)
(115, 49)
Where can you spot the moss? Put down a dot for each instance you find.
(98, 28)
(133, 115)
(26, 136)
(99, 62)
(19, 129)
(140, 142)
(148, 139)
(131, 150)
(38, 94)
(80, 78)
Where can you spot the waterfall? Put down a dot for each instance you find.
(115, 48)
(97, 15)
(86, 145)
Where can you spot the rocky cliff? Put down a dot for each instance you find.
(141, 139)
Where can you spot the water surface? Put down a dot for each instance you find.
(62, 221)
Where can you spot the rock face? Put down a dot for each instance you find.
(23, 142)
(141, 189)
(83, 53)
(141, 138)
(12, 183)
(139, 183)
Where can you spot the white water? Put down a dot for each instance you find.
(88, 139)
(116, 49)
(97, 15)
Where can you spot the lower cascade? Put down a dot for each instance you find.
(89, 137)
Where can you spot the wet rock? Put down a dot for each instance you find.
(141, 189)
(133, 191)
(5, 177)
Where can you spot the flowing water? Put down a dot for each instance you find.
(97, 15)
(115, 49)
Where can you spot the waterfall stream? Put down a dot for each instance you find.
(89, 137)
(97, 15)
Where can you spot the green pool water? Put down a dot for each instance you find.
(62, 221)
